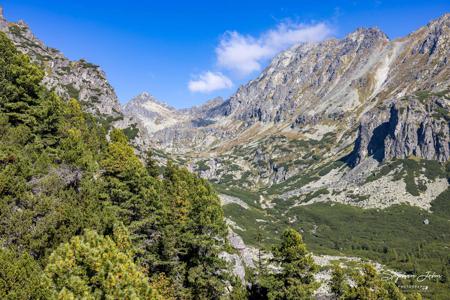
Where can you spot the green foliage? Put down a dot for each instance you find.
(202, 166)
(327, 169)
(410, 169)
(338, 283)
(388, 236)
(20, 91)
(151, 164)
(47, 156)
(59, 177)
(295, 280)
(20, 277)
(193, 233)
(369, 285)
(131, 132)
(423, 96)
(95, 267)
(128, 185)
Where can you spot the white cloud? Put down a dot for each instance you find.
(210, 81)
(244, 53)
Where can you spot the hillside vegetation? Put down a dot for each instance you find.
(85, 212)
(82, 217)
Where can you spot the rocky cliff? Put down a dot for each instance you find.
(411, 126)
(328, 78)
(80, 79)
(70, 79)
(335, 77)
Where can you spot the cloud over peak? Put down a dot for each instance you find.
(209, 82)
(245, 53)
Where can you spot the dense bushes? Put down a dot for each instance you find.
(63, 187)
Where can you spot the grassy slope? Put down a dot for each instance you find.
(396, 236)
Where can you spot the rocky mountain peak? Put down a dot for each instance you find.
(362, 33)
(154, 114)
(146, 98)
(213, 102)
(443, 20)
(332, 88)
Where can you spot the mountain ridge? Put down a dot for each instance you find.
(77, 79)
(366, 69)
(345, 140)
(306, 111)
(333, 101)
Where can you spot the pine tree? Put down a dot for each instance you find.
(151, 165)
(20, 277)
(444, 274)
(296, 278)
(257, 290)
(20, 89)
(371, 286)
(128, 184)
(338, 284)
(92, 266)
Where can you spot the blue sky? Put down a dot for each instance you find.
(186, 52)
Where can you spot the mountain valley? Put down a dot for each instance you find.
(345, 140)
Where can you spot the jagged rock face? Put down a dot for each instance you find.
(423, 63)
(70, 79)
(311, 78)
(154, 115)
(334, 77)
(206, 110)
(405, 127)
(175, 130)
(157, 115)
(333, 83)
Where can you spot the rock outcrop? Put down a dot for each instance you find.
(154, 115)
(405, 127)
(336, 77)
(70, 79)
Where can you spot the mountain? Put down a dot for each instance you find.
(347, 106)
(321, 119)
(172, 130)
(345, 140)
(337, 80)
(155, 115)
